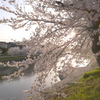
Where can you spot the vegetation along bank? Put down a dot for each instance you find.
(86, 88)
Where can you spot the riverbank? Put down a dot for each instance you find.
(0, 77)
(11, 58)
(77, 73)
(86, 88)
(6, 71)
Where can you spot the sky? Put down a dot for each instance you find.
(7, 34)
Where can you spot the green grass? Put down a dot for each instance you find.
(88, 89)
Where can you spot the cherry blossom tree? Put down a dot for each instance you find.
(25, 50)
(14, 51)
(64, 28)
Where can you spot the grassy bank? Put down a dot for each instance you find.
(11, 58)
(86, 88)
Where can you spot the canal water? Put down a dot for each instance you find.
(13, 90)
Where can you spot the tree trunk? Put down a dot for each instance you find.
(96, 47)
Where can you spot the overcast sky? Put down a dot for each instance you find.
(7, 33)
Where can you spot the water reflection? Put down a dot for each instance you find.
(13, 90)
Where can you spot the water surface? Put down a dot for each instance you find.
(13, 90)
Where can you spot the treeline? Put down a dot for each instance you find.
(14, 51)
(3, 50)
